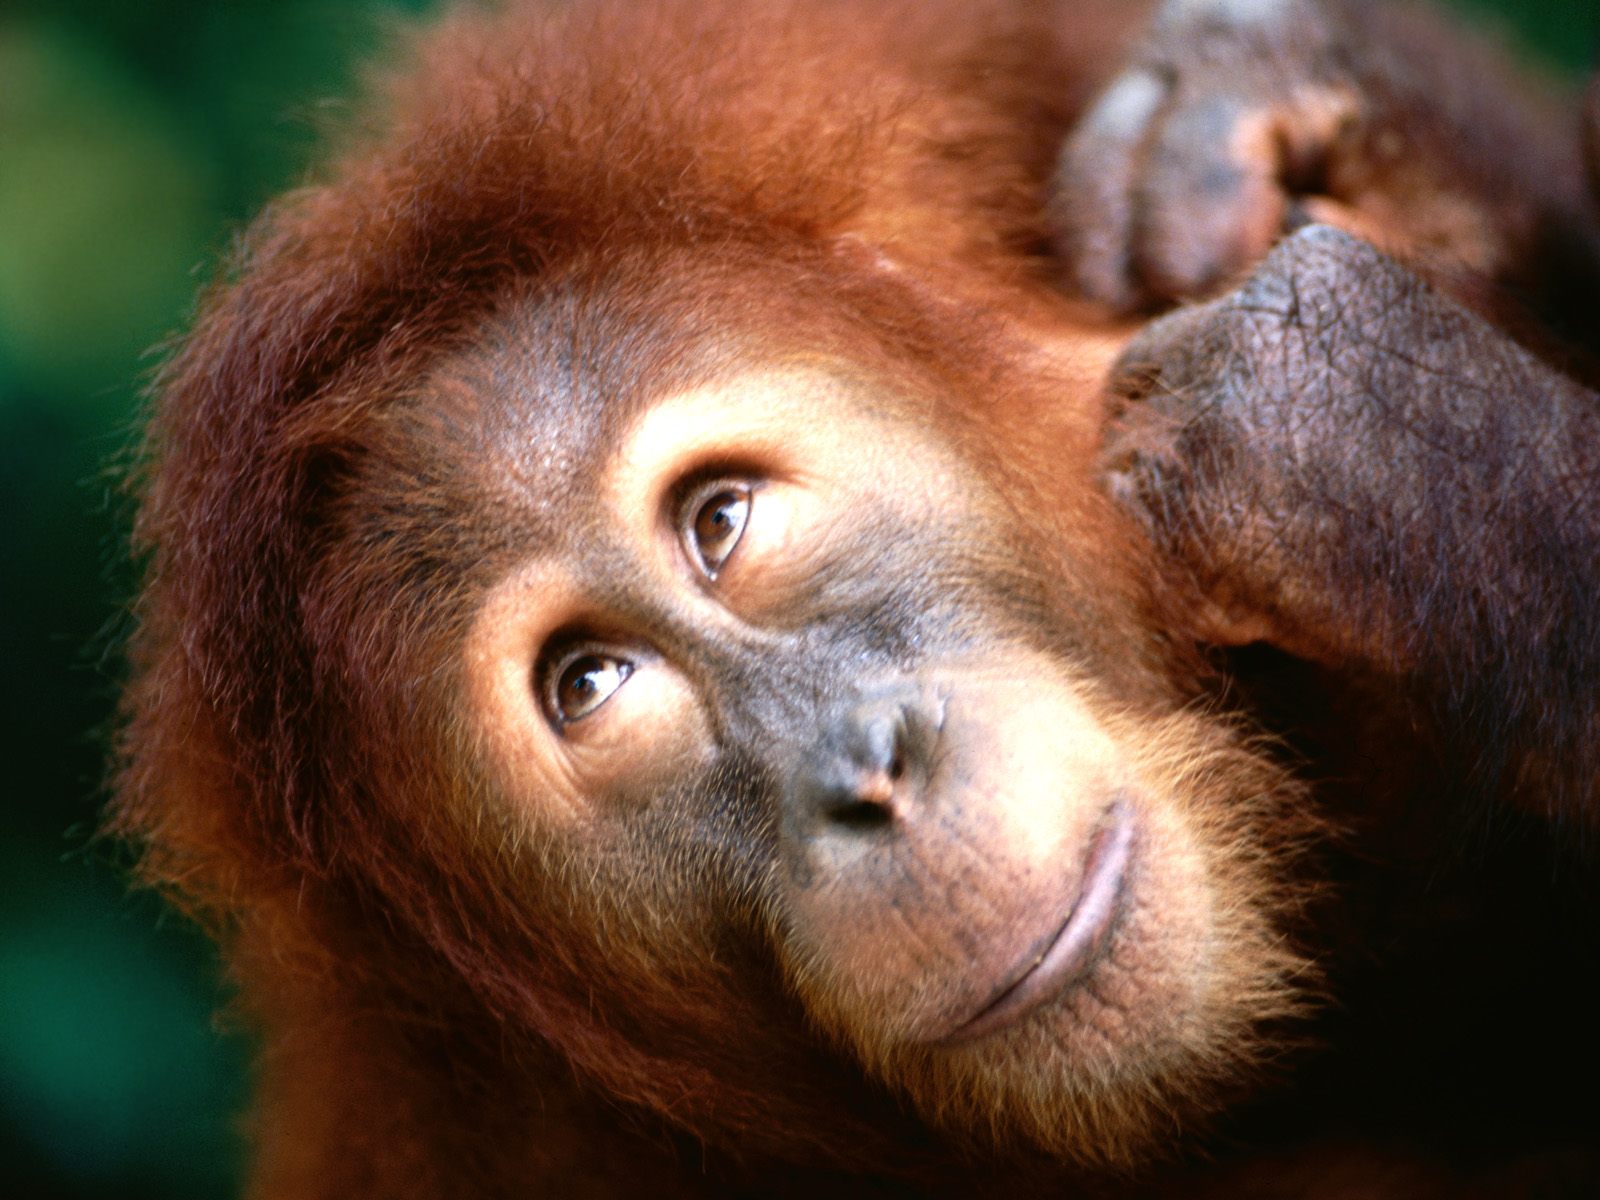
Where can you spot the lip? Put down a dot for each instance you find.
(1073, 949)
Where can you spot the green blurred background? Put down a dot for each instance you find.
(135, 137)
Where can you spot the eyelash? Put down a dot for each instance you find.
(695, 499)
(558, 660)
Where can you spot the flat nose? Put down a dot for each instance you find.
(865, 771)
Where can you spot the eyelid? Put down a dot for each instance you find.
(559, 653)
(692, 497)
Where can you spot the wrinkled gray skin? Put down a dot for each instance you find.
(1336, 458)
(1341, 461)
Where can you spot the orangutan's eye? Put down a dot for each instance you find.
(714, 520)
(578, 683)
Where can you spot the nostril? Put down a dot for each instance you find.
(873, 787)
(862, 816)
(865, 772)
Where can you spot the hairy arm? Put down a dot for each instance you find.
(1340, 460)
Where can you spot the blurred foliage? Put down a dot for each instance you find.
(1563, 32)
(133, 139)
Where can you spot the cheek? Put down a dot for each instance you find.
(652, 733)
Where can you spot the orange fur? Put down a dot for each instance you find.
(294, 765)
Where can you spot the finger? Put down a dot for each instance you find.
(1091, 210)
(1211, 202)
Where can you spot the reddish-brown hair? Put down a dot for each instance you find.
(272, 677)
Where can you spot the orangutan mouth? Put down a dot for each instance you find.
(1072, 951)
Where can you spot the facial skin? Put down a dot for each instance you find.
(775, 617)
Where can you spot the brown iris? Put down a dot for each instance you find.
(584, 683)
(718, 523)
